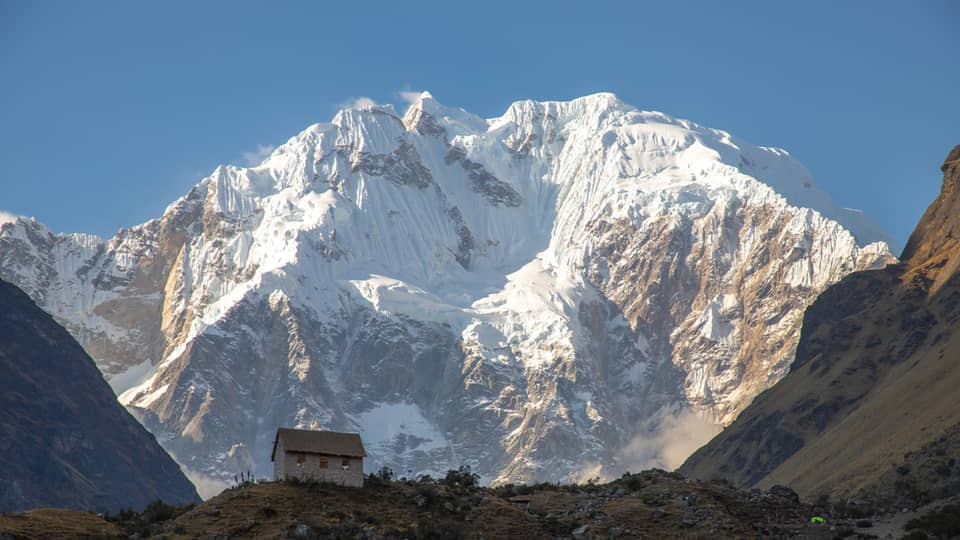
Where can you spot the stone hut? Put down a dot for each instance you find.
(322, 456)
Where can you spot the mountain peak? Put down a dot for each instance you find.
(427, 116)
(446, 272)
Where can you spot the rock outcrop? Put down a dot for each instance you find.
(874, 381)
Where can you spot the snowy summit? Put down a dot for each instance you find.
(543, 294)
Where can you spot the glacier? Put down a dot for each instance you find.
(527, 294)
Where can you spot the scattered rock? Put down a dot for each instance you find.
(784, 493)
(581, 531)
(299, 531)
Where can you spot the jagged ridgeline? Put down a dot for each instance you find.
(546, 295)
(869, 409)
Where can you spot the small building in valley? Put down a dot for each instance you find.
(321, 456)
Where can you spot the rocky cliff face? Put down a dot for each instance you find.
(64, 440)
(874, 380)
(533, 294)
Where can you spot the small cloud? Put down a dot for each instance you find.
(361, 102)
(667, 447)
(7, 217)
(665, 443)
(256, 157)
(409, 96)
(207, 486)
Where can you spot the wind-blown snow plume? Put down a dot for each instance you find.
(254, 158)
(7, 217)
(666, 447)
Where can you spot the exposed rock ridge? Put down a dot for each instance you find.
(875, 376)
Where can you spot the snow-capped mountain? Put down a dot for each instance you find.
(531, 294)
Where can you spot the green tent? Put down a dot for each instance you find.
(817, 519)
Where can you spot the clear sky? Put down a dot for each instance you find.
(111, 110)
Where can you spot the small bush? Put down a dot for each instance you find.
(462, 477)
(633, 482)
(428, 492)
(385, 473)
(268, 512)
(148, 522)
(542, 486)
(158, 511)
(380, 478)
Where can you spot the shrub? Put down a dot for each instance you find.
(382, 477)
(633, 482)
(505, 491)
(542, 486)
(428, 492)
(149, 521)
(158, 511)
(462, 477)
(385, 473)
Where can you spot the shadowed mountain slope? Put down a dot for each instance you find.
(65, 441)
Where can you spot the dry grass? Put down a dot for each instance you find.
(652, 504)
(45, 523)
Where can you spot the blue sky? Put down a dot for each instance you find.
(111, 110)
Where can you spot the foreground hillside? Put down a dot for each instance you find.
(869, 408)
(652, 504)
(64, 439)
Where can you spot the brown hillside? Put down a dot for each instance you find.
(876, 376)
(652, 504)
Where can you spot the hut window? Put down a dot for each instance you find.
(323, 463)
(345, 464)
(301, 459)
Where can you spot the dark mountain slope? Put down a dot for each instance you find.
(876, 376)
(65, 441)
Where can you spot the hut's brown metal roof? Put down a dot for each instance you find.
(319, 442)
